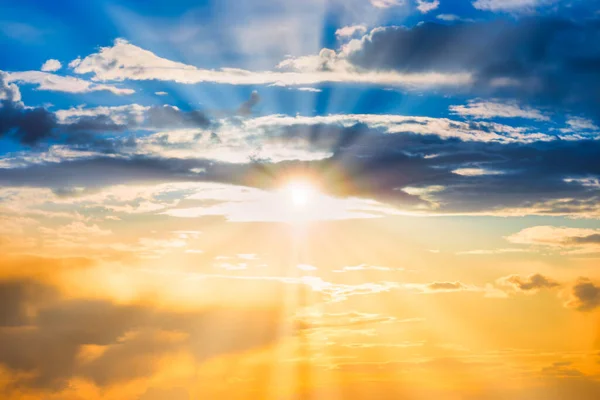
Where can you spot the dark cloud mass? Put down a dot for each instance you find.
(27, 126)
(41, 334)
(545, 60)
(585, 295)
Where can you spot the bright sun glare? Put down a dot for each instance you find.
(300, 193)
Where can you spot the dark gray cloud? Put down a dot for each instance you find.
(366, 163)
(585, 295)
(539, 59)
(590, 239)
(39, 126)
(25, 125)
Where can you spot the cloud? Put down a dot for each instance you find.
(479, 109)
(505, 59)
(350, 31)
(25, 125)
(309, 89)
(452, 18)
(446, 286)
(58, 83)
(475, 172)
(579, 124)
(556, 236)
(43, 349)
(125, 61)
(8, 91)
(426, 6)
(532, 283)
(386, 3)
(246, 108)
(511, 5)
(448, 166)
(51, 66)
(584, 295)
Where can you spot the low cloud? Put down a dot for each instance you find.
(51, 66)
(479, 109)
(531, 283)
(584, 295)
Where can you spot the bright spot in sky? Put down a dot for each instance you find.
(300, 193)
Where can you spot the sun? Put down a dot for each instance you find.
(300, 193)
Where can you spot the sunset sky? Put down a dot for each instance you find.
(300, 199)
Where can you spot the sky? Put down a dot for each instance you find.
(318, 199)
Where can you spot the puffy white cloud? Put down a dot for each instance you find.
(479, 109)
(351, 30)
(51, 66)
(426, 6)
(57, 83)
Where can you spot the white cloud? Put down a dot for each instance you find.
(493, 109)
(309, 89)
(578, 123)
(426, 6)
(387, 3)
(510, 5)
(57, 83)
(581, 240)
(124, 61)
(448, 17)
(475, 172)
(351, 30)
(391, 124)
(161, 93)
(118, 114)
(51, 66)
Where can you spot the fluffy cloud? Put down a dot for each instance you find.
(349, 31)
(51, 66)
(426, 6)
